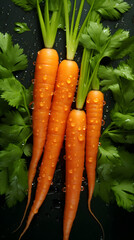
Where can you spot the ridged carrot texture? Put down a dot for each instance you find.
(75, 153)
(44, 81)
(61, 104)
(94, 112)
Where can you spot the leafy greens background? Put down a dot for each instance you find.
(116, 221)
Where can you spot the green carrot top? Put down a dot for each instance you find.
(72, 29)
(98, 43)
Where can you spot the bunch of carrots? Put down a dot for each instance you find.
(54, 89)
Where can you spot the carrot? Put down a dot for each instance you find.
(44, 81)
(94, 110)
(60, 108)
(45, 75)
(75, 153)
(62, 100)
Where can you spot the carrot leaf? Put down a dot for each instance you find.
(15, 122)
(27, 5)
(17, 183)
(98, 42)
(115, 168)
(110, 9)
(11, 56)
(52, 19)
(21, 27)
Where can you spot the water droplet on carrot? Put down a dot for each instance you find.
(69, 95)
(88, 101)
(72, 124)
(56, 129)
(44, 77)
(41, 104)
(42, 95)
(53, 164)
(74, 187)
(90, 159)
(66, 108)
(40, 67)
(69, 145)
(70, 171)
(91, 120)
(71, 206)
(46, 87)
(84, 128)
(49, 178)
(54, 140)
(63, 96)
(81, 137)
(70, 119)
(79, 128)
(68, 81)
(96, 100)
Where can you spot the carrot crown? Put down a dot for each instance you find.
(72, 30)
(50, 22)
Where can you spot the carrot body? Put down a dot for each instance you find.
(44, 81)
(63, 96)
(94, 109)
(75, 153)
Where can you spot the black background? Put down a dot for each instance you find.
(47, 224)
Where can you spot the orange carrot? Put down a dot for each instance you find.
(94, 109)
(75, 153)
(44, 81)
(61, 104)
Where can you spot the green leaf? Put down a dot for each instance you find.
(10, 154)
(107, 150)
(95, 36)
(4, 72)
(110, 9)
(27, 5)
(17, 183)
(28, 150)
(124, 193)
(12, 91)
(125, 121)
(121, 135)
(126, 48)
(103, 189)
(21, 27)
(11, 57)
(13, 118)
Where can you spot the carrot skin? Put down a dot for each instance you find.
(75, 153)
(44, 82)
(94, 110)
(62, 100)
